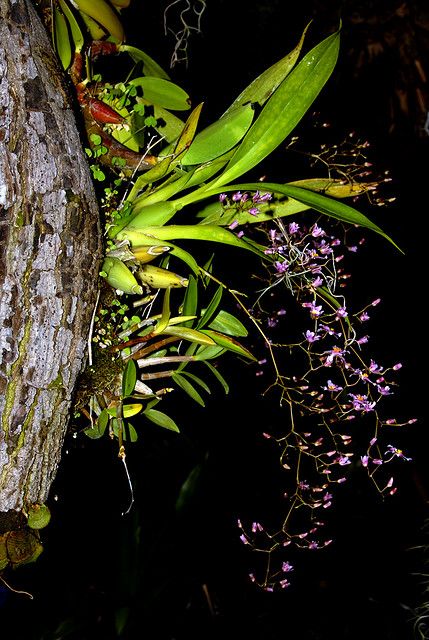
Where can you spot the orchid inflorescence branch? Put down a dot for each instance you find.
(332, 390)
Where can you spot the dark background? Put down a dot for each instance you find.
(184, 575)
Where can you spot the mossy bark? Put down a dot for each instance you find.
(49, 258)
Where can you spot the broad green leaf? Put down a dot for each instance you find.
(284, 109)
(62, 38)
(225, 322)
(218, 375)
(186, 333)
(228, 343)
(261, 88)
(209, 352)
(161, 419)
(150, 67)
(188, 388)
(211, 309)
(125, 137)
(129, 378)
(163, 92)
(170, 126)
(219, 137)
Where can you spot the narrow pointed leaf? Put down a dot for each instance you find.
(228, 343)
(218, 375)
(261, 88)
(76, 32)
(186, 333)
(165, 315)
(211, 309)
(195, 379)
(284, 109)
(188, 388)
(190, 301)
(328, 206)
(188, 131)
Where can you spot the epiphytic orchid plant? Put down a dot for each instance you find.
(158, 326)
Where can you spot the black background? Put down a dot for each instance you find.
(185, 575)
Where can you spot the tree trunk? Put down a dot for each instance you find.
(49, 259)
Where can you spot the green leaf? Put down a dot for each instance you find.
(165, 315)
(129, 434)
(62, 38)
(187, 387)
(225, 322)
(97, 431)
(195, 379)
(209, 352)
(187, 333)
(150, 67)
(76, 32)
(190, 301)
(129, 378)
(163, 92)
(208, 313)
(188, 131)
(219, 137)
(228, 343)
(210, 233)
(334, 187)
(218, 375)
(260, 89)
(328, 206)
(161, 419)
(285, 108)
(167, 124)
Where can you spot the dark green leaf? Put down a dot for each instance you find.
(129, 378)
(218, 375)
(161, 419)
(225, 322)
(228, 343)
(186, 386)
(208, 313)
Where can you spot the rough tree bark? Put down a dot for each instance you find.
(49, 260)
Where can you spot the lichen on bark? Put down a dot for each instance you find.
(50, 251)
